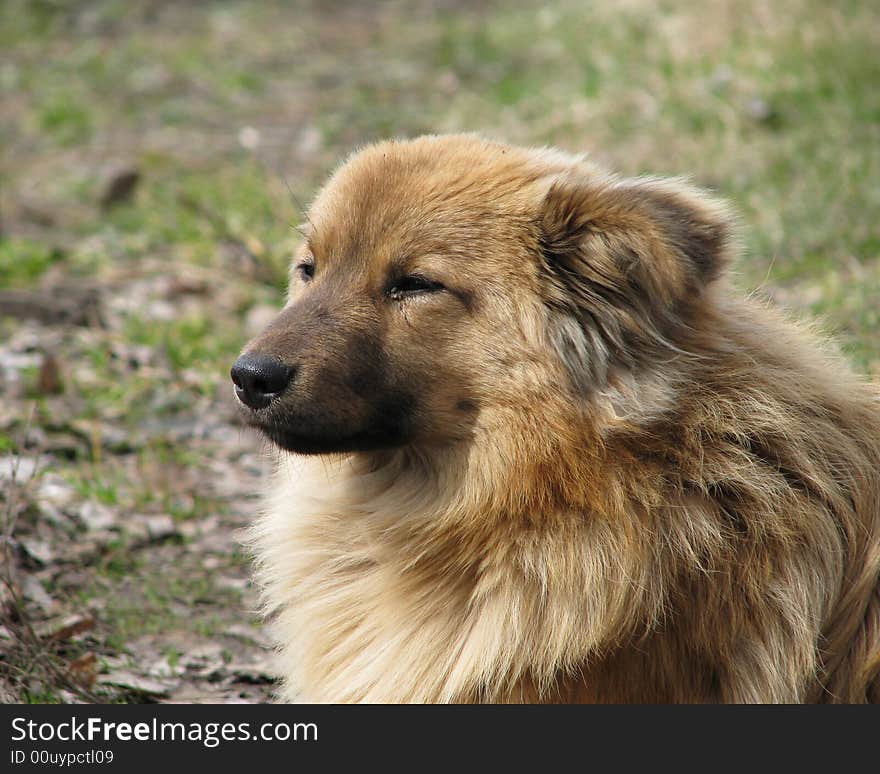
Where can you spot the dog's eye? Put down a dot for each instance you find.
(306, 270)
(412, 286)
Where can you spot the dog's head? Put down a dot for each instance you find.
(447, 277)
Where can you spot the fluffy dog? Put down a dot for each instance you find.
(532, 447)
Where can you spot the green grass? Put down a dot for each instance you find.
(23, 261)
(143, 604)
(63, 117)
(193, 341)
(93, 485)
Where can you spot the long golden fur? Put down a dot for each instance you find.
(535, 448)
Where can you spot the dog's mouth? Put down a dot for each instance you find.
(308, 435)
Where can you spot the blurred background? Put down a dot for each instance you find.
(154, 158)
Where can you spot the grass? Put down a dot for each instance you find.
(234, 112)
(146, 603)
(23, 261)
(187, 341)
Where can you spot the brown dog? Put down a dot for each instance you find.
(534, 448)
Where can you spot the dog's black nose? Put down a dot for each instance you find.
(258, 379)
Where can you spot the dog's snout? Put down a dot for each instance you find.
(258, 379)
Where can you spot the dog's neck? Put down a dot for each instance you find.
(373, 558)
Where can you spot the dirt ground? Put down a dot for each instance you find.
(154, 162)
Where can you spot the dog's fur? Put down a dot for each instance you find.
(564, 463)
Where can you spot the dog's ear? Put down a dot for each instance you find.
(629, 260)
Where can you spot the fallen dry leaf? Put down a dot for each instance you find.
(49, 381)
(120, 186)
(70, 627)
(84, 669)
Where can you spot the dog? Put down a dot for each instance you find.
(532, 447)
